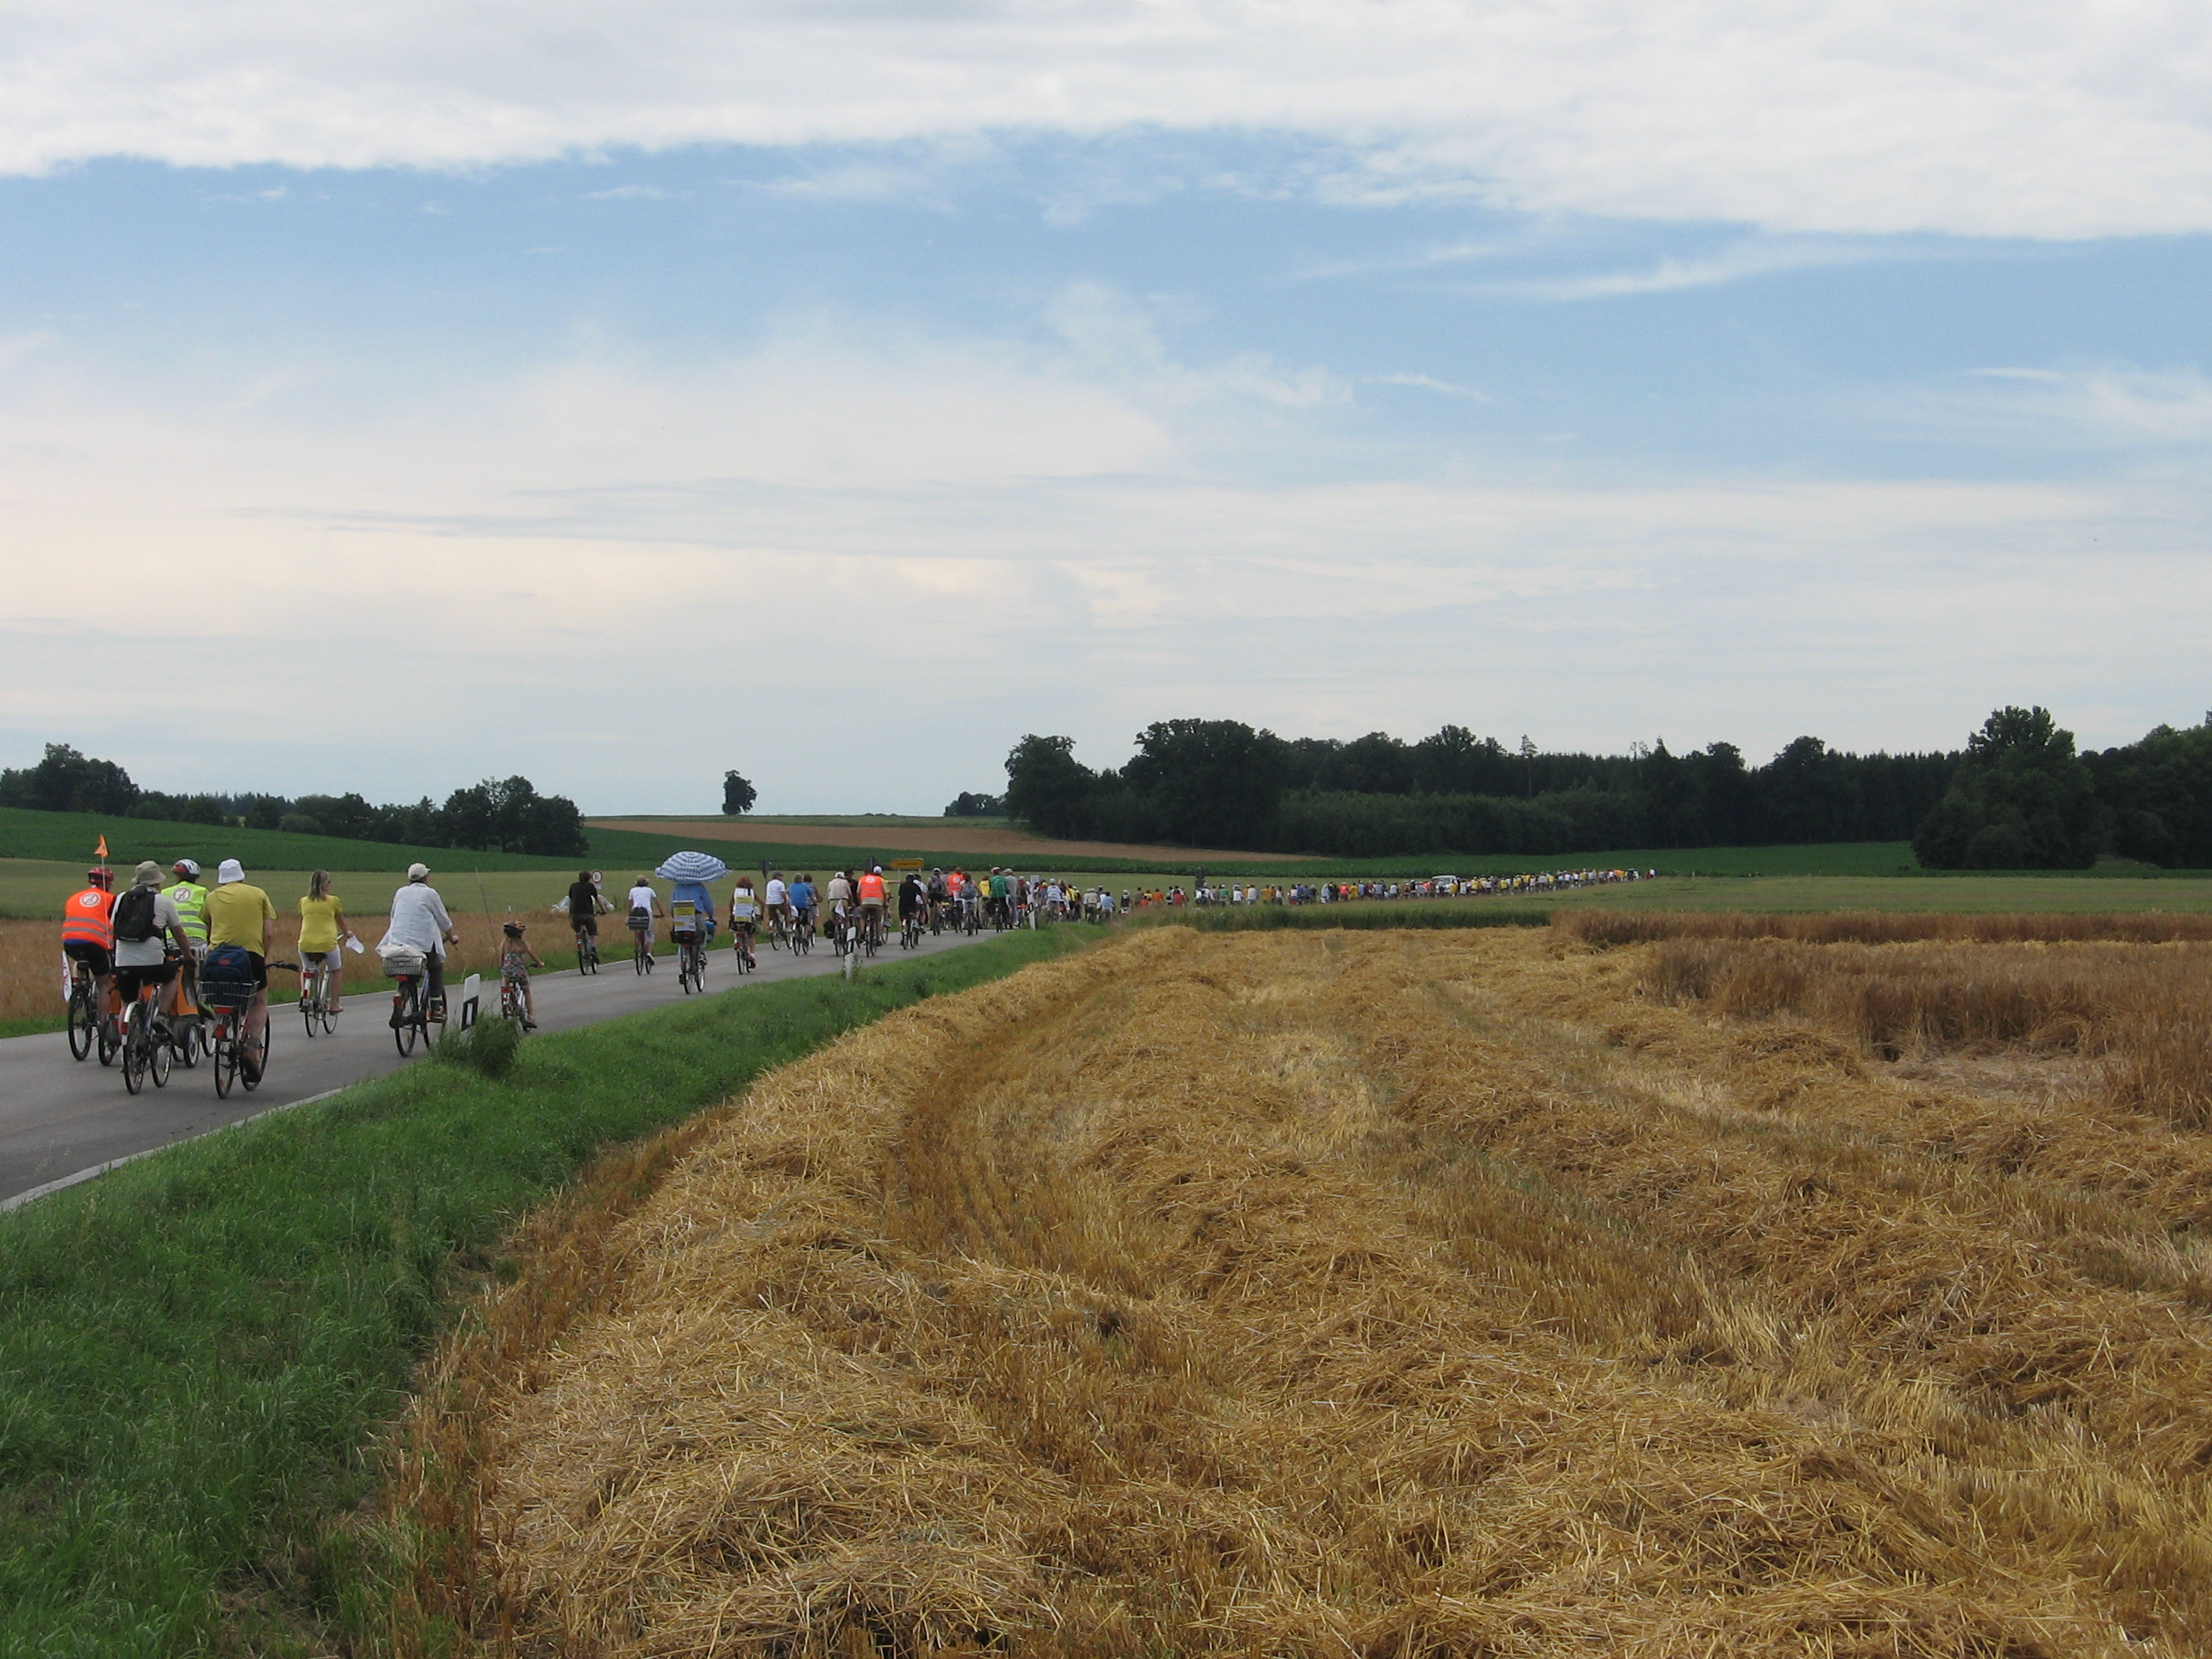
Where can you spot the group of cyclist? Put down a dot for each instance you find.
(178, 946)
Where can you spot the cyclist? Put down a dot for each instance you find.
(913, 898)
(584, 907)
(515, 957)
(871, 886)
(419, 922)
(802, 901)
(703, 901)
(838, 895)
(323, 931)
(239, 917)
(88, 932)
(644, 905)
(744, 916)
(779, 905)
(191, 900)
(1002, 893)
(145, 920)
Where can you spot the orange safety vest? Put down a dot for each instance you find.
(88, 919)
(871, 888)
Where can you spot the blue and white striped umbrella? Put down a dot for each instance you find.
(692, 866)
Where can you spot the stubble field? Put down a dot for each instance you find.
(1629, 1287)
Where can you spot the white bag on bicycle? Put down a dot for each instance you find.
(401, 961)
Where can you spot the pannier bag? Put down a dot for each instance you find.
(683, 920)
(401, 961)
(640, 917)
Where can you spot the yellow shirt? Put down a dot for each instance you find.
(235, 911)
(319, 924)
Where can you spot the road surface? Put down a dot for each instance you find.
(60, 1117)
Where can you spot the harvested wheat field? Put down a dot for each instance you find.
(1496, 1293)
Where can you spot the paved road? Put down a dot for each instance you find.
(59, 1117)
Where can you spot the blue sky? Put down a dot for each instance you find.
(843, 402)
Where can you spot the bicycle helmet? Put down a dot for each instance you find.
(187, 869)
(102, 879)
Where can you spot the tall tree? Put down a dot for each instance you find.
(737, 795)
(2021, 799)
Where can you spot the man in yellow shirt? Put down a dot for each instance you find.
(240, 914)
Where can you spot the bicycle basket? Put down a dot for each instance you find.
(228, 996)
(401, 961)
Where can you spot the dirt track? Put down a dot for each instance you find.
(984, 843)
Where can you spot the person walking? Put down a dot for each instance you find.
(419, 922)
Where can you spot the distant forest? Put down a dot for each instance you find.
(2018, 796)
(499, 815)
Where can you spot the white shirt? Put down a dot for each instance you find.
(777, 892)
(418, 919)
(643, 898)
(150, 952)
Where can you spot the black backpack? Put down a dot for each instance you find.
(134, 916)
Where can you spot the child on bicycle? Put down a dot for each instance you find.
(744, 916)
(515, 960)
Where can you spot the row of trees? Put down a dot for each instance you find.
(2018, 796)
(499, 815)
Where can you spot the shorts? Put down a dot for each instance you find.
(128, 981)
(584, 925)
(98, 958)
(517, 975)
(311, 960)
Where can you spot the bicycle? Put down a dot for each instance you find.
(641, 954)
(587, 953)
(410, 1006)
(871, 930)
(87, 1024)
(690, 963)
(742, 943)
(239, 1056)
(315, 1000)
(802, 934)
(777, 928)
(147, 1049)
(910, 931)
(511, 1004)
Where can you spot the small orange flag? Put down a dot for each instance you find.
(102, 853)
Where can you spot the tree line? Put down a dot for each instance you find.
(2018, 796)
(499, 815)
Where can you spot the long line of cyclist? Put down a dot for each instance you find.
(170, 970)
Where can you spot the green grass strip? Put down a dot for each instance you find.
(196, 1349)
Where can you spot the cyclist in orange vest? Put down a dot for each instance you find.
(88, 930)
(871, 903)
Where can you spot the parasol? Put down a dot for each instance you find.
(692, 866)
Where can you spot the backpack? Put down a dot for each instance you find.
(134, 916)
(227, 964)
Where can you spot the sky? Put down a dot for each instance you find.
(403, 394)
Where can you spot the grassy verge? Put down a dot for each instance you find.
(195, 1349)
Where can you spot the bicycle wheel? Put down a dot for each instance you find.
(83, 1022)
(159, 1054)
(307, 1015)
(109, 1041)
(226, 1059)
(327, 1014)
(406, 1018)
(134, 1051)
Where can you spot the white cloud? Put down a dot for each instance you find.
(939, 545)
(1755, 258)
(1975, 117)
(2106, 407)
